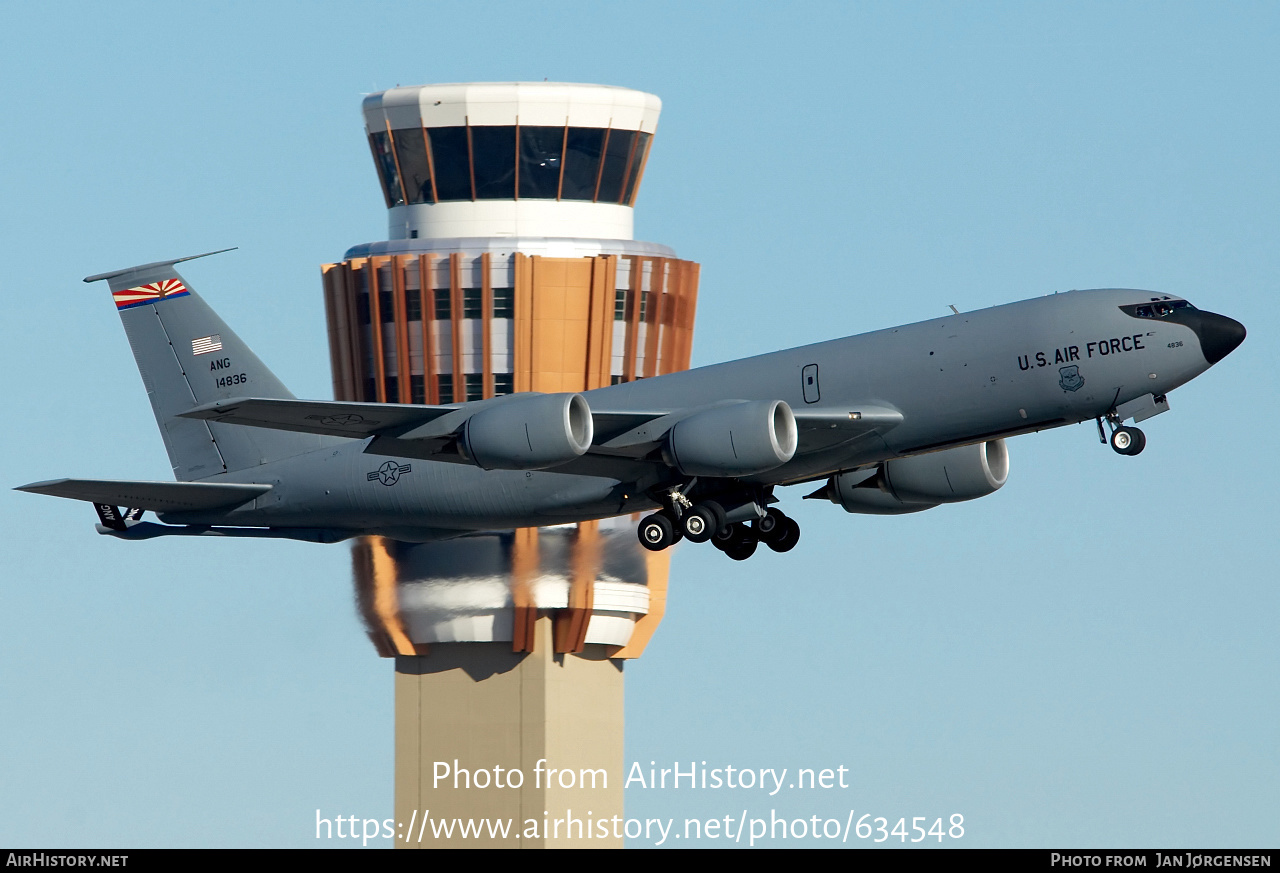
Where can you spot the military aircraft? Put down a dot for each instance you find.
(893, 421)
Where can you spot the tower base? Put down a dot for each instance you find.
(502, 749)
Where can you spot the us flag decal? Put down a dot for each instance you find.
(149, 293)
(206, 344)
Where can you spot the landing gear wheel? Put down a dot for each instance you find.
(718, 511)
(1128, 440)
(787, 536)
(699, 523)
(770, 526)
(731, 536)
(656, 532)
(742, 549)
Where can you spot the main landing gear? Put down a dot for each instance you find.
(1125, 440)
(703, 522)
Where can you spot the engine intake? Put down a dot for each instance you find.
(736, 439)
(528, 432)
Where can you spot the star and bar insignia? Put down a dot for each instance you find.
(389, 473)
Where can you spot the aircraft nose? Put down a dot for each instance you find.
(1218, 335)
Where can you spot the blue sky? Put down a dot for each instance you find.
(1086, 658)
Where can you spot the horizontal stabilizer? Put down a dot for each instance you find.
(329, 417)
(155, 496)
(152, 267)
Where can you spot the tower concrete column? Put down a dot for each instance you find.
(557, 719)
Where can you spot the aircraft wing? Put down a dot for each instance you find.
(155, 496)
(622, 438)
(820, 429)
(636, 433)
(328, 417)
(416, 422)
(628, 443)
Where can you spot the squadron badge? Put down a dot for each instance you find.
(1070, 380)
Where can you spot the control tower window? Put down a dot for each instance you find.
(444, 306)
(504, 300)
(617, 155)
(637, 161)
(582, 163)
(493, 151)
(472, 305)
(484, 162)
(415, 170)
(540, 149)
(452, 162)
(386, 164)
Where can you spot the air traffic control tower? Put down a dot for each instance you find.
(510, 265)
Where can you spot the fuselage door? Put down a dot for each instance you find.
(809, 378)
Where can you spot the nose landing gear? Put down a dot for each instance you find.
(1125, 440)
(1128, 440)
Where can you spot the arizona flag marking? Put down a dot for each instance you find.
(149, 293)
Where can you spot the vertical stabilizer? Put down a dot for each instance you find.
(188, 356)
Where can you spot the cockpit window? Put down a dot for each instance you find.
(1157, 308)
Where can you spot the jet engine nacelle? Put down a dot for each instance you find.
(923, 481)
(737, 439)
(530, 432)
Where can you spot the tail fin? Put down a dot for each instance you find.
(188, 356)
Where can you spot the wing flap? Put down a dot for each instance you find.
(155, 496)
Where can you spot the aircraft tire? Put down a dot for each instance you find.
(786, 538)
(1128, 440)
(718, 511)
(729, 536)
(699, 524)
(770, 527)
(742, 550)
(656, 532)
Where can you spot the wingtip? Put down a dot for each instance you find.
(39, 487)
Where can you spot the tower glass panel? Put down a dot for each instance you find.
(411, 150)
(385, 161)
(616, 152)
(452, 162)
(540, 161)
(633, 177)
(582, 163)
(493, 150)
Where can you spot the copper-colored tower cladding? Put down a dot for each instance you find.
(511, 267)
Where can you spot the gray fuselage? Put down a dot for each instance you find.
(1010, 369)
